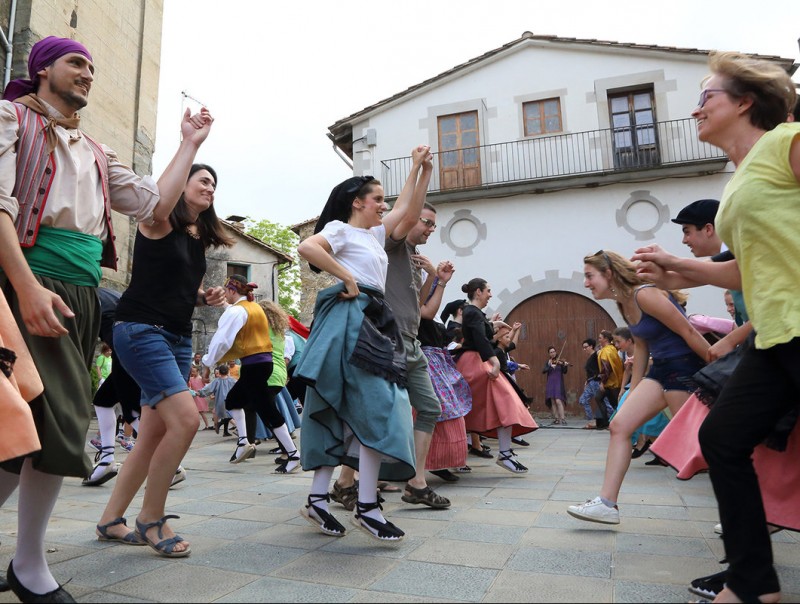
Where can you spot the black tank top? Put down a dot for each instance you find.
(166, 275)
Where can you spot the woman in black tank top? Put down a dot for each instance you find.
(153, 339)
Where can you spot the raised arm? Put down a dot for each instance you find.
(194, 130)
(429, 308)
(408, 206)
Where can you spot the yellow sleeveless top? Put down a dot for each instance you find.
(759, 220)
(253, 338)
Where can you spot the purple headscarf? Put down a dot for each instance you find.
(43, 53)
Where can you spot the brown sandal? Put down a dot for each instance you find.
(425, 496)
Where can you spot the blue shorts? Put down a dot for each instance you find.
(676, 373)
(157, 359)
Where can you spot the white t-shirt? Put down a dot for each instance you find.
(288, 347)
(360, 251)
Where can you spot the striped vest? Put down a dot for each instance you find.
(36, 170)
(253, 338)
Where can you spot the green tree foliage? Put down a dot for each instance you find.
(284, 239)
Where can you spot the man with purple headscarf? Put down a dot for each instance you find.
(57, 190)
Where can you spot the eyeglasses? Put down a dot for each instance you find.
(428, 223)
(704, 95)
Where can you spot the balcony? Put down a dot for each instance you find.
(581, 159)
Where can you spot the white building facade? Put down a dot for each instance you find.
(546, 150)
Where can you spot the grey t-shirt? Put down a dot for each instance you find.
(403, 282)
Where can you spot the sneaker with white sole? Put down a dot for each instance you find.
(127, 444)
(594, 510)
(718, 529)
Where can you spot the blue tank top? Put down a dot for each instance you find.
(662, 342)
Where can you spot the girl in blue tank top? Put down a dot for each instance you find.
(660, 328)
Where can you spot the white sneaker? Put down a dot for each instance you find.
(594, 510)
(180, 476)
(718, 529)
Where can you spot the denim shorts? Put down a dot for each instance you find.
(157, 359)
(676, 373)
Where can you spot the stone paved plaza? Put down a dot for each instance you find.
(506, 538)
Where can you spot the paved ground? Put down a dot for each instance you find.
(507, 538)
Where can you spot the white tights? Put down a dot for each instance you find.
(38, 493)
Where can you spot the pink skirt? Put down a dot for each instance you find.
(778, 471)
(202, 403)
(448, 445)
(495, 404)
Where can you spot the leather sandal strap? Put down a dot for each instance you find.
(104, 527)
(144, 527)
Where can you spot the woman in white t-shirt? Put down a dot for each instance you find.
(356, 409)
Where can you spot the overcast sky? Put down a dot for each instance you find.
(275, 75)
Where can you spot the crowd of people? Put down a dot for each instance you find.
(392, 385)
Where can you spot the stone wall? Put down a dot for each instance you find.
(311, 282)
(124, 38)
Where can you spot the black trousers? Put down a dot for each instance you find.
(612, 394)
(764, 386)
(120, 388)
(252, 393)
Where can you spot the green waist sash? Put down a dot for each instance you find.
(68, 256)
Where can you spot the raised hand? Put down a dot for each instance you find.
(195, 128)
(421, 154)
(445, 271)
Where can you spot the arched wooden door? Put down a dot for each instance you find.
(563, 320)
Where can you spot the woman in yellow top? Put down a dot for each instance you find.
(610, 374)
(742, 107)
(243, 333)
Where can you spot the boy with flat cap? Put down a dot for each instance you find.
(697, 224)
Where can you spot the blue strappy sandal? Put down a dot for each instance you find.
(129, 539)
(165, 547)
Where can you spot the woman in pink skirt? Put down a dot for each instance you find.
(497, 410)
(449, 442)
(196, 384)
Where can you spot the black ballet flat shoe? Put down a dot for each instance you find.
(4, 586)
(637, 453)
(656, 461)
(25, 595)
(445, 475)
(481, 453)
